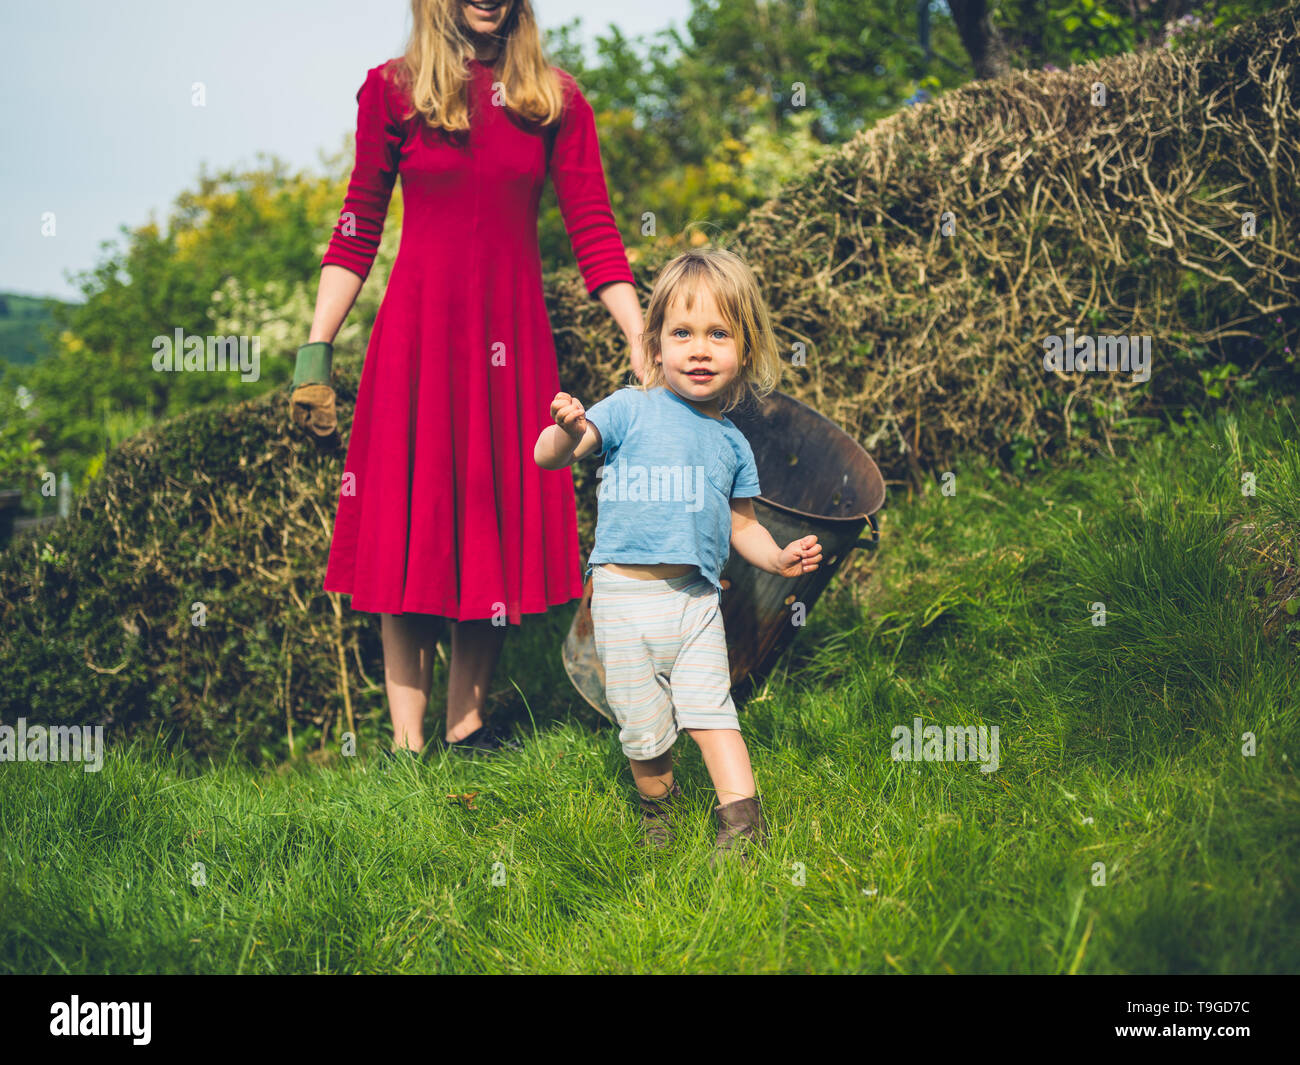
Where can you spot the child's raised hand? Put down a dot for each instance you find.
(800, 556)
(569, 414)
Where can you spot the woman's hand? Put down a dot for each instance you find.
(311, 402)
(638, 354)
(621, 300)
(800, 557)
(312, 408)
(570, 415)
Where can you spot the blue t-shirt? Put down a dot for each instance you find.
(668, 474)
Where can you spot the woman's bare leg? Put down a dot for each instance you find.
(409, 644)
(475, 649)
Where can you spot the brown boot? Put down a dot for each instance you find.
(656, 817)
(740, 827)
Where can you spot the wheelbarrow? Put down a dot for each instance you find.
(815, 479)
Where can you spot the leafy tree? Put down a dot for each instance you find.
(99, 384)
(1000, 35)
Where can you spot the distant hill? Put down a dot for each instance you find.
(24, 321)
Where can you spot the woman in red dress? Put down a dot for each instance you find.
(445, 513)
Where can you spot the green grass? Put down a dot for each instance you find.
(1120, 744)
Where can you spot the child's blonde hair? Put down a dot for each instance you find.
(735, 291)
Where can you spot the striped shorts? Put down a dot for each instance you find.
(664, 652)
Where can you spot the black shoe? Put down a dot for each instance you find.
(486, 739)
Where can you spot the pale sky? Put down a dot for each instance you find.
(97, 124)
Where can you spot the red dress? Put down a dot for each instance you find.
(447, 513)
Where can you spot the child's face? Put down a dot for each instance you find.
(699, 354)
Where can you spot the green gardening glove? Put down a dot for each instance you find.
(311, 404)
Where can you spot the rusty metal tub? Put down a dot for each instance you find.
(815, 479)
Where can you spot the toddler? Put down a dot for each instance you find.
(674, 496)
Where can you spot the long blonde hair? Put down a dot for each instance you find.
(434, 70)
(735, 291)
